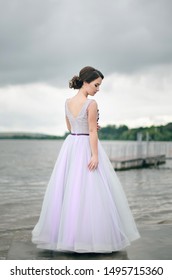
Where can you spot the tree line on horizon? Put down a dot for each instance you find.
(109, 132)
(122, 132)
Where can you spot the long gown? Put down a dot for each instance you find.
(83, 210)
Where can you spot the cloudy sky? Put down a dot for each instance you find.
(43, 43)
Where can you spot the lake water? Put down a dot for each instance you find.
(26, 166)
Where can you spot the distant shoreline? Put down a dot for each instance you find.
(109, 132)
(29, 136)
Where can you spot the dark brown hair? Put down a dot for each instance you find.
(87, 74)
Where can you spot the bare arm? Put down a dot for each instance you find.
(68, 124)
(92, 122)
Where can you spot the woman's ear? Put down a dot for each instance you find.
(85, 83)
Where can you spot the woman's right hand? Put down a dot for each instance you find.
(93, 163)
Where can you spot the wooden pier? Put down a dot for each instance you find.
(137, 162)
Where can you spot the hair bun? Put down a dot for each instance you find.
(75, 83)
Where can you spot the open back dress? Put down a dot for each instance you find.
(83, 210)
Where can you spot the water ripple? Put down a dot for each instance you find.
(25, 169)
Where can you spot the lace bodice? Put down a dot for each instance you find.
(78, 124)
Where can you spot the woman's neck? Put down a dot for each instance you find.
(83, 93)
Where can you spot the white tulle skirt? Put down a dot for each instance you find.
(84, 211)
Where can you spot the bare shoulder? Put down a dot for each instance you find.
(67, 100)
(92, 106)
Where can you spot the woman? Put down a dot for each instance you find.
(84, 208)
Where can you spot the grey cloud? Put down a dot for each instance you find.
(51, 40)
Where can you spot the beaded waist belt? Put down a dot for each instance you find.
(79, 134)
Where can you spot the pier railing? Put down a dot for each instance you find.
(140, 162)
(137, 154)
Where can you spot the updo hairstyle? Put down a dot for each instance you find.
(87, 74)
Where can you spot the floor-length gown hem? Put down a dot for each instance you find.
(83, 210)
